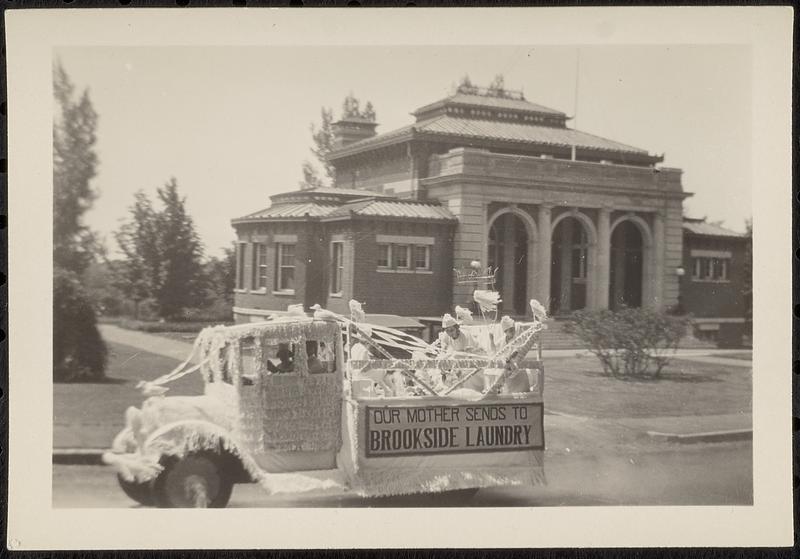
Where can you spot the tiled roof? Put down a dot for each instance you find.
(394, 208)
(490, 102)
(291, 210)
(515, 132)
(374, 206)
(446, 125)
(699, 227)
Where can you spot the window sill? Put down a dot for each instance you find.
(261, 291)
(694, 280)
(402, 271)
(336, 295)
(239, 290)
(284, 293)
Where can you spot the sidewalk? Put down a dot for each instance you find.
(147, 342)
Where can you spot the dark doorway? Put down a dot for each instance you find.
(508, 251)
(626, 267)
(569, 267)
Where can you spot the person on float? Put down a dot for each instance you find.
(455, 340)
(314, 365)
(285, 360)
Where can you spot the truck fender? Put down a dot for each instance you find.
(192, 435)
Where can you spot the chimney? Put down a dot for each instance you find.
(352, 129)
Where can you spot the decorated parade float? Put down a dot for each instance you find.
(327, 403)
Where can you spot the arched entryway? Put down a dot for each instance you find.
(570, 266)
(627, 266)
(509, 252)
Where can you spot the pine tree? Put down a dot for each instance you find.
(322, 137)
(163, 254)
(139, 274)
(79, 353)
(182, 283)
(74, 167)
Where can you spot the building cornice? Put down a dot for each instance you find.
(484, 180)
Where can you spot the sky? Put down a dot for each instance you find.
(231, 124)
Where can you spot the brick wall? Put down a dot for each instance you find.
(403, 293)
(388, 172)
(306, 278)
(714, 299)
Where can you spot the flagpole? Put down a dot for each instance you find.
(575, 109)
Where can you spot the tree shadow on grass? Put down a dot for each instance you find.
(105, 380)
(667, 376)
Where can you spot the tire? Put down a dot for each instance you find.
(198, 480)
(142, 493)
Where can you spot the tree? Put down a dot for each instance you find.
(139, 275)
(79, 352)
(498, 85)
(322, 137)
(221, 274)
(748, 271)
(74, 167)
(163, 254)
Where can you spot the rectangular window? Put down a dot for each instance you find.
(710, 269)
(240, 255)
(384, 256)
(401, 257)
(285, 267)
(259, 265)
(337, 267)
(422, 257)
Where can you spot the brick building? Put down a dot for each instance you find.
(715, 265)
(569, 218)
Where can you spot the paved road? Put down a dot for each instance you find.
(667, 474)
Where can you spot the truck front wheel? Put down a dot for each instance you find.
(140, 492)
(197, 480)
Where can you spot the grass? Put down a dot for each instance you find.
(88, 415)
(743, 356)
(577, 386)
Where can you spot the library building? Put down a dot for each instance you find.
(484, 176)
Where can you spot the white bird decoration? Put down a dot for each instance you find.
(465, 315)
(150, 389)
(296, 310)
(357, 313)
(539, 312)
(486, 299)
(322, 314)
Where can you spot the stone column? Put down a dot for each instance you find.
(508, 263)
(657, 252)
(545, 258)
(603, 258)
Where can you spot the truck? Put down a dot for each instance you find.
(284, 406)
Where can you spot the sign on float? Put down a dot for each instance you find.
(395, 431)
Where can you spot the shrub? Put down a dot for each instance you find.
(79, 353)
(629, 341)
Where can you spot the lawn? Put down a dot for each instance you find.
(742, 356)
(577, 386)
(88, 415)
